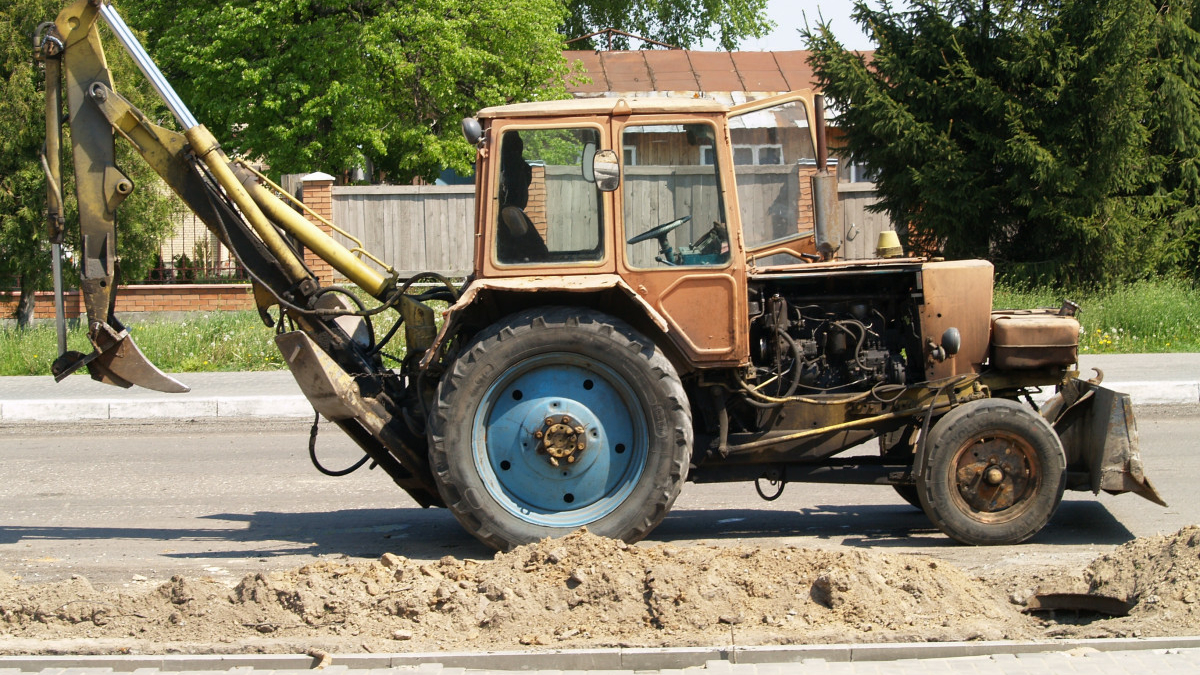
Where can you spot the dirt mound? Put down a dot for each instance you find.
(587, 591)
(1161, 575)
(578, 591)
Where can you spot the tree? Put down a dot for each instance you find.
(1174, 119)
(1019, 130)
(682, 23)
(24, 249)
(339, 84)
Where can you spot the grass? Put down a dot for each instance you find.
(1147, 316)
(1153, 316)
(202, 342)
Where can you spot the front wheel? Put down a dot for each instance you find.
(995, 473)
(556, 419)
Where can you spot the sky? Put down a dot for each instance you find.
(789, 15)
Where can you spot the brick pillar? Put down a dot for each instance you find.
(318, 196)
(804, 205)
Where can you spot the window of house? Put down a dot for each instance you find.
(629, 155)
(549, 212)
(757, 155)
(674, 212)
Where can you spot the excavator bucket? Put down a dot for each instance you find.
(117, 361)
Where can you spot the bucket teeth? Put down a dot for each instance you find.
(117, 361)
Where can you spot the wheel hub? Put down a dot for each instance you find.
(561, 438)
(994, 474)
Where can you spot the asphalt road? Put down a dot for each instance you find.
(132, 503)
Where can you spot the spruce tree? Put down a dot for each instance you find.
(1020, 131)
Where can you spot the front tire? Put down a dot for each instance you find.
(995, 473)
(555, 419)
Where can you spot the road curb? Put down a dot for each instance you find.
(627, 659)
(73, 409)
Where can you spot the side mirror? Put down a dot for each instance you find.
(589, 156)
(606, 169)
(472, 130)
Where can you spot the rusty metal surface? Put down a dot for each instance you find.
(603, 106)
(1078, 602)
(687, 70)
(957, 294)
(994, 474)
(1099, 431)
(535, 284)
(1033, 339)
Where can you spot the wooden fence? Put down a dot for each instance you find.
(429, 228)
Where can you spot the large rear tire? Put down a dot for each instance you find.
(555, 419)
(995, 473)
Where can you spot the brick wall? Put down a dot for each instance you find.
(536, 208)
(318, 196)
(131, 299)
(804, 204)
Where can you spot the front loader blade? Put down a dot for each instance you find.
(1099, 434)
(118, 361)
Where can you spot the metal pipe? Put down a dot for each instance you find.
(147, 65)
(52, 163)
(60, 315)
(326, 247)
(822, 143)
(205, 146)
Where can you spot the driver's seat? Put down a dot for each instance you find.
(518, 239)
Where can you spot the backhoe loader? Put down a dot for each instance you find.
(657, 297)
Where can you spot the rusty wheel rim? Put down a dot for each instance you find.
(995, 477)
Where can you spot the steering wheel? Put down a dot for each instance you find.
(658, 231)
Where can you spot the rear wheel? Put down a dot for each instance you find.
(556, 419)
(995, 473)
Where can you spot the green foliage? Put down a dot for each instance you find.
(143, 219)
(682, 23)
(1055, 137)
(332, 85)
(22, 189)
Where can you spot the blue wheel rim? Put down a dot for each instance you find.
(555, 386)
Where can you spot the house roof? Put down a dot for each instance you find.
(593, 105)
(693, 71)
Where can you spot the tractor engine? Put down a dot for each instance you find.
(806, 345)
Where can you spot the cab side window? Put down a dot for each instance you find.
(674, 214)
(548, 211)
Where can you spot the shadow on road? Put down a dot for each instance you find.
(883, 525)
(433, 533)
